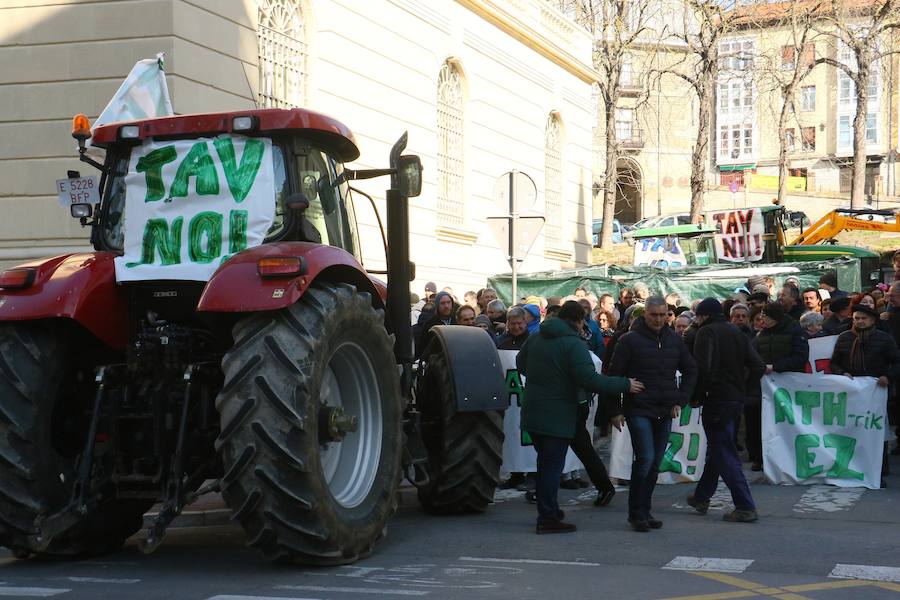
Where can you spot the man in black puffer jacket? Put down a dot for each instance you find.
(650, 352)
(781, 342)
(725, 361)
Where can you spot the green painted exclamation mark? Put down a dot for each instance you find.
(693, 452)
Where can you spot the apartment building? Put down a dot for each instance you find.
(762, 53)
(482, 87)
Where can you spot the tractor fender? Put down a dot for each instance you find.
(81, 287)
(236, 286)
(477, 375)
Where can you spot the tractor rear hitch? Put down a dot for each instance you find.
(176, 499)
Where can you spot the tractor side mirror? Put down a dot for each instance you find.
(81, 211)
(410, 175)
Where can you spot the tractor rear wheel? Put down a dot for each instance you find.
(465, 449)
(311, 427)
(42, 432)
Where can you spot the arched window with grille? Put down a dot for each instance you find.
(450, 149)
(282, 54)
(553, 181)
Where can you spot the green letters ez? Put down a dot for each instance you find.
(805, 458)
(151, 165)
(157, 236)
(845, 447)
(240, 178)
(205, 225)
(198, 163)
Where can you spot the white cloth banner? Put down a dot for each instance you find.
(660, 252)
(823, 429)
(143, 95)
(519, 456)
(191, 204)
(684, 458)
(739, 234)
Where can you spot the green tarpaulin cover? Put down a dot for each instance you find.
(691, 283)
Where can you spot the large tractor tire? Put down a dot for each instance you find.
(300, 495)
(42, 432)
(465, 449)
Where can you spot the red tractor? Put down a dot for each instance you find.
(224, 336)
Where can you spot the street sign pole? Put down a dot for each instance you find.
(512, 235)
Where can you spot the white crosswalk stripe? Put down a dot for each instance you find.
(869, 572)
(716, 565)
(32, 592)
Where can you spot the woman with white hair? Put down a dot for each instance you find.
(811, 323)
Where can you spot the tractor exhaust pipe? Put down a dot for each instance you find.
(399, 268)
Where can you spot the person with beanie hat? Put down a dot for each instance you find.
(726, 362)
(840, 319)
(444, 314)
(534, 314)
(557, 368)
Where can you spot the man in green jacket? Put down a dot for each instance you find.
(558, 368)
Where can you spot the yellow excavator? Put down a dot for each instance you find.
(847, 219)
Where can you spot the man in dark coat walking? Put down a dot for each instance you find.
(725, 361)
(557, 367)
(651, 353)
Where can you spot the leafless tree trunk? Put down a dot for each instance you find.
(783, 83)
(861, 29)
(700, 152)
(615, 26)
(705, 24)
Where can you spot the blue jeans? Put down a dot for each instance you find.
(722, 461)
(649, 439)
(551, 458)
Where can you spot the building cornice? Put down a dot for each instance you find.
(495, 14)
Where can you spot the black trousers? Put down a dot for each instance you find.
(583, 447)
(753, 429)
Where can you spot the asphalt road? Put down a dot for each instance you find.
(813, 542)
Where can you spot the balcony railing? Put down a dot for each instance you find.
(629, 136)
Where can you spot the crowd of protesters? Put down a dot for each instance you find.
(660, 353)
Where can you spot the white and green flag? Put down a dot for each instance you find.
(191, 204)
(823, 429)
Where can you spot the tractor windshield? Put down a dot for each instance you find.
(112, 218)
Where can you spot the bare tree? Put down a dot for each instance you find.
(705, 23)
(615, 26)
(781, 71)
(859, 30)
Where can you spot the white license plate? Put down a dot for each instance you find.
(80, 190)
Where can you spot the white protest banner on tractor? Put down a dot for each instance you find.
(660, 252)
(519, 456)
(739, 234)
(823, 429)
(191, 204)
(685, 454)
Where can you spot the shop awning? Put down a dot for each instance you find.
(737, 167)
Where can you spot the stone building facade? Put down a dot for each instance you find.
(482, 87)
